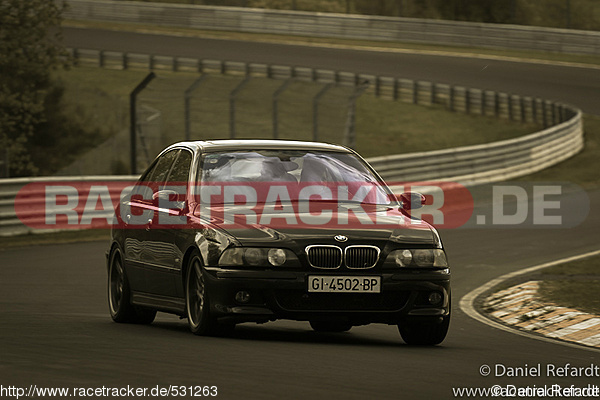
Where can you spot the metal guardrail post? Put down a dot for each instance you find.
(133, 120)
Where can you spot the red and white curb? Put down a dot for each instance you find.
(521, 307)
(467, 305)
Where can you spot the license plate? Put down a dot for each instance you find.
(344, 284)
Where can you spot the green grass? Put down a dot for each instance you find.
(581, 169)
(386, 127)
(574, 285)
(382, 126)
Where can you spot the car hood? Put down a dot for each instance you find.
(375, 226)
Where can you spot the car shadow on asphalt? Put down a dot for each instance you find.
(271, 332)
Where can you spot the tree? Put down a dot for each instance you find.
(29, 50)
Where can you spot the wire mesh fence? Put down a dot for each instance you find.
(174, 108)
(239, 100)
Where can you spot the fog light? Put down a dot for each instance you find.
(242, 297)
(435, 298)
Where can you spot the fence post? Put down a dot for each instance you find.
(483, 102)
(187, 103)
(5, 165)
(415, 92)
(316, 110)
(276, 95)
(350, 133)
(467, 101)
(496, 104)
(544, 114)
(232, 97)
(133, 120)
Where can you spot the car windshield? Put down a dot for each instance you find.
(298, 169)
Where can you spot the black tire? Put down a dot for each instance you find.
(119, 295)
(330, 326)
(197, 302)
(425, 332)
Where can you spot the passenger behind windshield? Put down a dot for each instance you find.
(296, 167)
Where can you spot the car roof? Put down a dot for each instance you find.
(259, 144)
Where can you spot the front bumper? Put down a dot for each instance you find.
(284, 295)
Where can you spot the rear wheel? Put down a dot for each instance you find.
(119, 295)
(424, 333)
(330, 326)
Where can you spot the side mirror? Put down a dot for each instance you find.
(169, 199)
(412, 200)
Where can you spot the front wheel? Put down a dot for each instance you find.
(119, 295)
(197, 301)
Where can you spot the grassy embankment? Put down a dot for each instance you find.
(575, 284)
(383, 126)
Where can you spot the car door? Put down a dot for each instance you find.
(144, 272)
(168, 236)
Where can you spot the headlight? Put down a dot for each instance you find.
(258, 257)
(276, 257)
(417, 258)
(402, 257)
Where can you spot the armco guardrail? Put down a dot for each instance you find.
(10, 225)
(338, 25)
(454, 98)
(467, 165)
(486, 163)
(470, 165)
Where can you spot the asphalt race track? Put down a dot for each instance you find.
(57, 332)
(572, 85)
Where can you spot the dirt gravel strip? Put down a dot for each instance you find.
(521, 307)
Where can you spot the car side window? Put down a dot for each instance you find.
(181, 168)
(161, 168)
